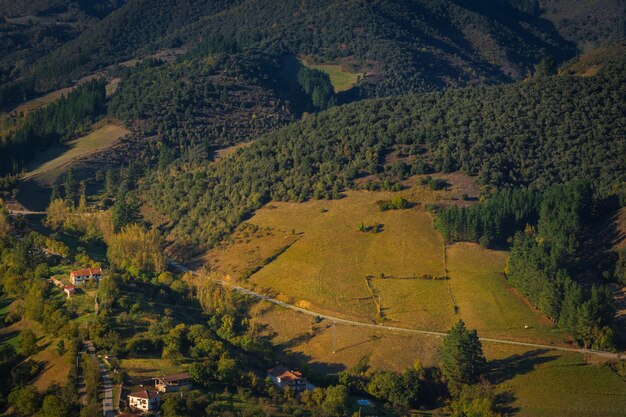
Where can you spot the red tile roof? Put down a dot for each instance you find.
(285, 375)
(144, 394)
(87, 272)
(69, 288)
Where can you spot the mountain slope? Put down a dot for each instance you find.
(541, 132)
(413, 45)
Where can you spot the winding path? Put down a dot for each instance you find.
(259, 296)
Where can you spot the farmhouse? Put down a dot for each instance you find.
(80, 276)
(283, 378)
(172, 383)
(144, 400)
(69, 290)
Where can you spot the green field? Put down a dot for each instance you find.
(485, 301)
(327, 266)
(551, 384)
(325, 269)
(341, 79)
(48, 166)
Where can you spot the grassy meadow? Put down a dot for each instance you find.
(326, 268)
(341, 79)
(49, 165)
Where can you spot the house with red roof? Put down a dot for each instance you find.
(285, 378)
(79, 276)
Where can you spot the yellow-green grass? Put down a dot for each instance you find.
(341, 79)
(141, 369)
(538, 382)
(39, 102)
(56, 368)
(327, 266)
(556, 384)
(248, 249)
(300, 341)
(48, 166)
(486, 303)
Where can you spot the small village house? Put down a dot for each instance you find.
(69, 290)
(173, 383)
(80, 276)
(144, 400)
(285, 378)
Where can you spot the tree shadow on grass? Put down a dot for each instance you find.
(501, 370)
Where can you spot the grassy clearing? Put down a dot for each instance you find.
(340, 78)
(486, 302)
(327, 266)
(39, 102)
(47, 167)
(308, 345)
(551, 384)
(55, 368)
(143, 369)
(250, 248)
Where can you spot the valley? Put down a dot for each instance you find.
(312, 209)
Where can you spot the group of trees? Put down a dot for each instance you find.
(544, 260)
(546, 232)
(494, 220)
(55, 123)
(317, 85)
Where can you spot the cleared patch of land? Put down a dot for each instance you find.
(224, 152)
(143, 369)
(556, 384)
(326, 268)
(249, 248)
(485, 301)
(39, 102)
(48, 166)
(303, 342)
(341, 79)
(55, 368)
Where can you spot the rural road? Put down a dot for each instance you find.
(107, 384)
(607, 355)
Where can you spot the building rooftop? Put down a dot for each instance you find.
(87, 272)
(285, 374)
(144, 394)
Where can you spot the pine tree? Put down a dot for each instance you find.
(461, 355)
(56, 193)
(69, 187)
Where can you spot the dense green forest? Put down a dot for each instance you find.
(411, 46)
(537, 133)
(55, 123)
(544, 259)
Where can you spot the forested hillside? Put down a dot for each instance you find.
(412, 46)
(545, 131)
(221, 102)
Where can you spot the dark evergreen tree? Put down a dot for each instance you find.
(461, 356)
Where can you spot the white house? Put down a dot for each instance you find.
(144, 400)
(80, 276)
(283, 378)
